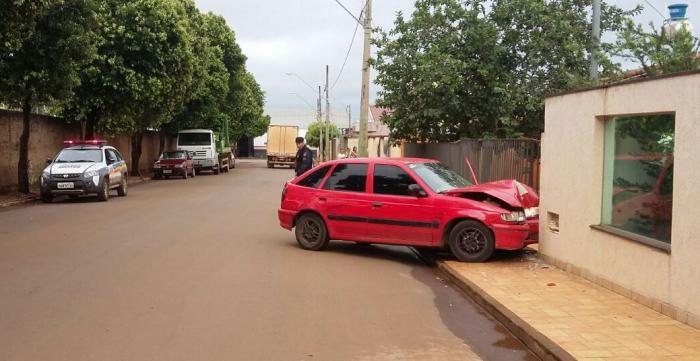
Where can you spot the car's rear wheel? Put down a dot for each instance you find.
(122, 190)
(103, 193)
(311, 233)
(471, 241)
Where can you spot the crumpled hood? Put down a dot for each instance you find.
(70, 168)
(510, 191)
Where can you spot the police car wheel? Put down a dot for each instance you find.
(122, 190)
(46, 197)
(103, 194)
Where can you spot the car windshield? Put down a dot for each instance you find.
(79, 156)
(438, 177)
(174, 155)
(194, 139)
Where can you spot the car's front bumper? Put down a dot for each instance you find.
(81, 186)
(286, 218)
(511, 236)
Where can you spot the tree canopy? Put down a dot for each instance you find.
(474, 68)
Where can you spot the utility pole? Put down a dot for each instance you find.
(328, 118)
(319, 116)
(596, 42)
(364, 97)
(347, 133)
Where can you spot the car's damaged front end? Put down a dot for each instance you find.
(518, 204)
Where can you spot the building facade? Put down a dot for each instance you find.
(619, 190)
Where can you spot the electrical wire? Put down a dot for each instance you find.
(352, 41)
(655, 9)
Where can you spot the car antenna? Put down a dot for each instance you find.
(471, 169)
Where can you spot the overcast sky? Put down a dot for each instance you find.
(302, 36)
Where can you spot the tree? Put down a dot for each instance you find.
(472, 68)
(247, 111)
(314, 132)
(657, 51)
(43, 63)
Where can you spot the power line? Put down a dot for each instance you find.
(348, 11)
(347, 55)
(655, 9)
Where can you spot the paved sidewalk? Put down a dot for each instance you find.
(569, 317)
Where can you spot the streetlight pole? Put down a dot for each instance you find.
(364, 96)
(596, 42)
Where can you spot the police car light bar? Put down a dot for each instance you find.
(85, 142)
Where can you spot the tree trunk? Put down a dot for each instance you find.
(23, 164)
(136, 139)
(90, 122)
(161, 145)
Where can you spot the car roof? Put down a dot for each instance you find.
(382, 160)
(196, 131)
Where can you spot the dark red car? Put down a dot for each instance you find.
(176, 163)
(412, 202)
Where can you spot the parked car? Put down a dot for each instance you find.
(412, 202)
(176, 163)
(84, 167)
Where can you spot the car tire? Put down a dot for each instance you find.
(103, 192)
(157, 177)
(471, 241)
(46, 197)
(123, 187)
(311, 232)
(217, 170)
(269, 165)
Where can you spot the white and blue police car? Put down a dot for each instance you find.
(84, 167)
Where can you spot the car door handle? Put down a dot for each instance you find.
(322, 199)
(376, 204)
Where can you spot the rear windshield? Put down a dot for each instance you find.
(174, 155)
(194, 139)
(79, 156)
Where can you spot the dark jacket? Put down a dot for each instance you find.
(305, 160)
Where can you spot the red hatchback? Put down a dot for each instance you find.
(411, 202)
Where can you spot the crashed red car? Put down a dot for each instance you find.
(412, 202)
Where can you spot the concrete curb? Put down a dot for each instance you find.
(22, 200)
(540, 344)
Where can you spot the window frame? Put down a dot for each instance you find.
(330, 173)
(607, 186)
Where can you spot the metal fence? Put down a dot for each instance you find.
(492, 159)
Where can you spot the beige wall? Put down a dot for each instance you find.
(372, 143)
(571, 185)
(46, 139)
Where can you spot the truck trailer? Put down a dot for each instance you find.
(281, 145)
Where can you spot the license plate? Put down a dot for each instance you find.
(167, 171)
(65, 185)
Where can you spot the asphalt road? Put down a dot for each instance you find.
(200, 270)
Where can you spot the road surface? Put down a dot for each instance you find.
(199, 269)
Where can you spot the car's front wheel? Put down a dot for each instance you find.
(46, 197)
(311, 233)
(103, 192)
(471, 241)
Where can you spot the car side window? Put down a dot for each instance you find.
(110, 156)
(314, 179)
(118, 155)
(349, 177)
(392, 180)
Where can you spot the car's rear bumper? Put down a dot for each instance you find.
(173, 171)
(286, 218)
(511, 236)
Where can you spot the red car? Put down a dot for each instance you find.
(177, 163)
(412, 202)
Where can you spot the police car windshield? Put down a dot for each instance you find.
(438, 177)
(79, 156)
(173, 155)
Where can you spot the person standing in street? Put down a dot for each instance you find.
(304, 159)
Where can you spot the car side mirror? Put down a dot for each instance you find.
(49, 161)
(416, 191)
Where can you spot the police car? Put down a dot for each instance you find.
(84, 167)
